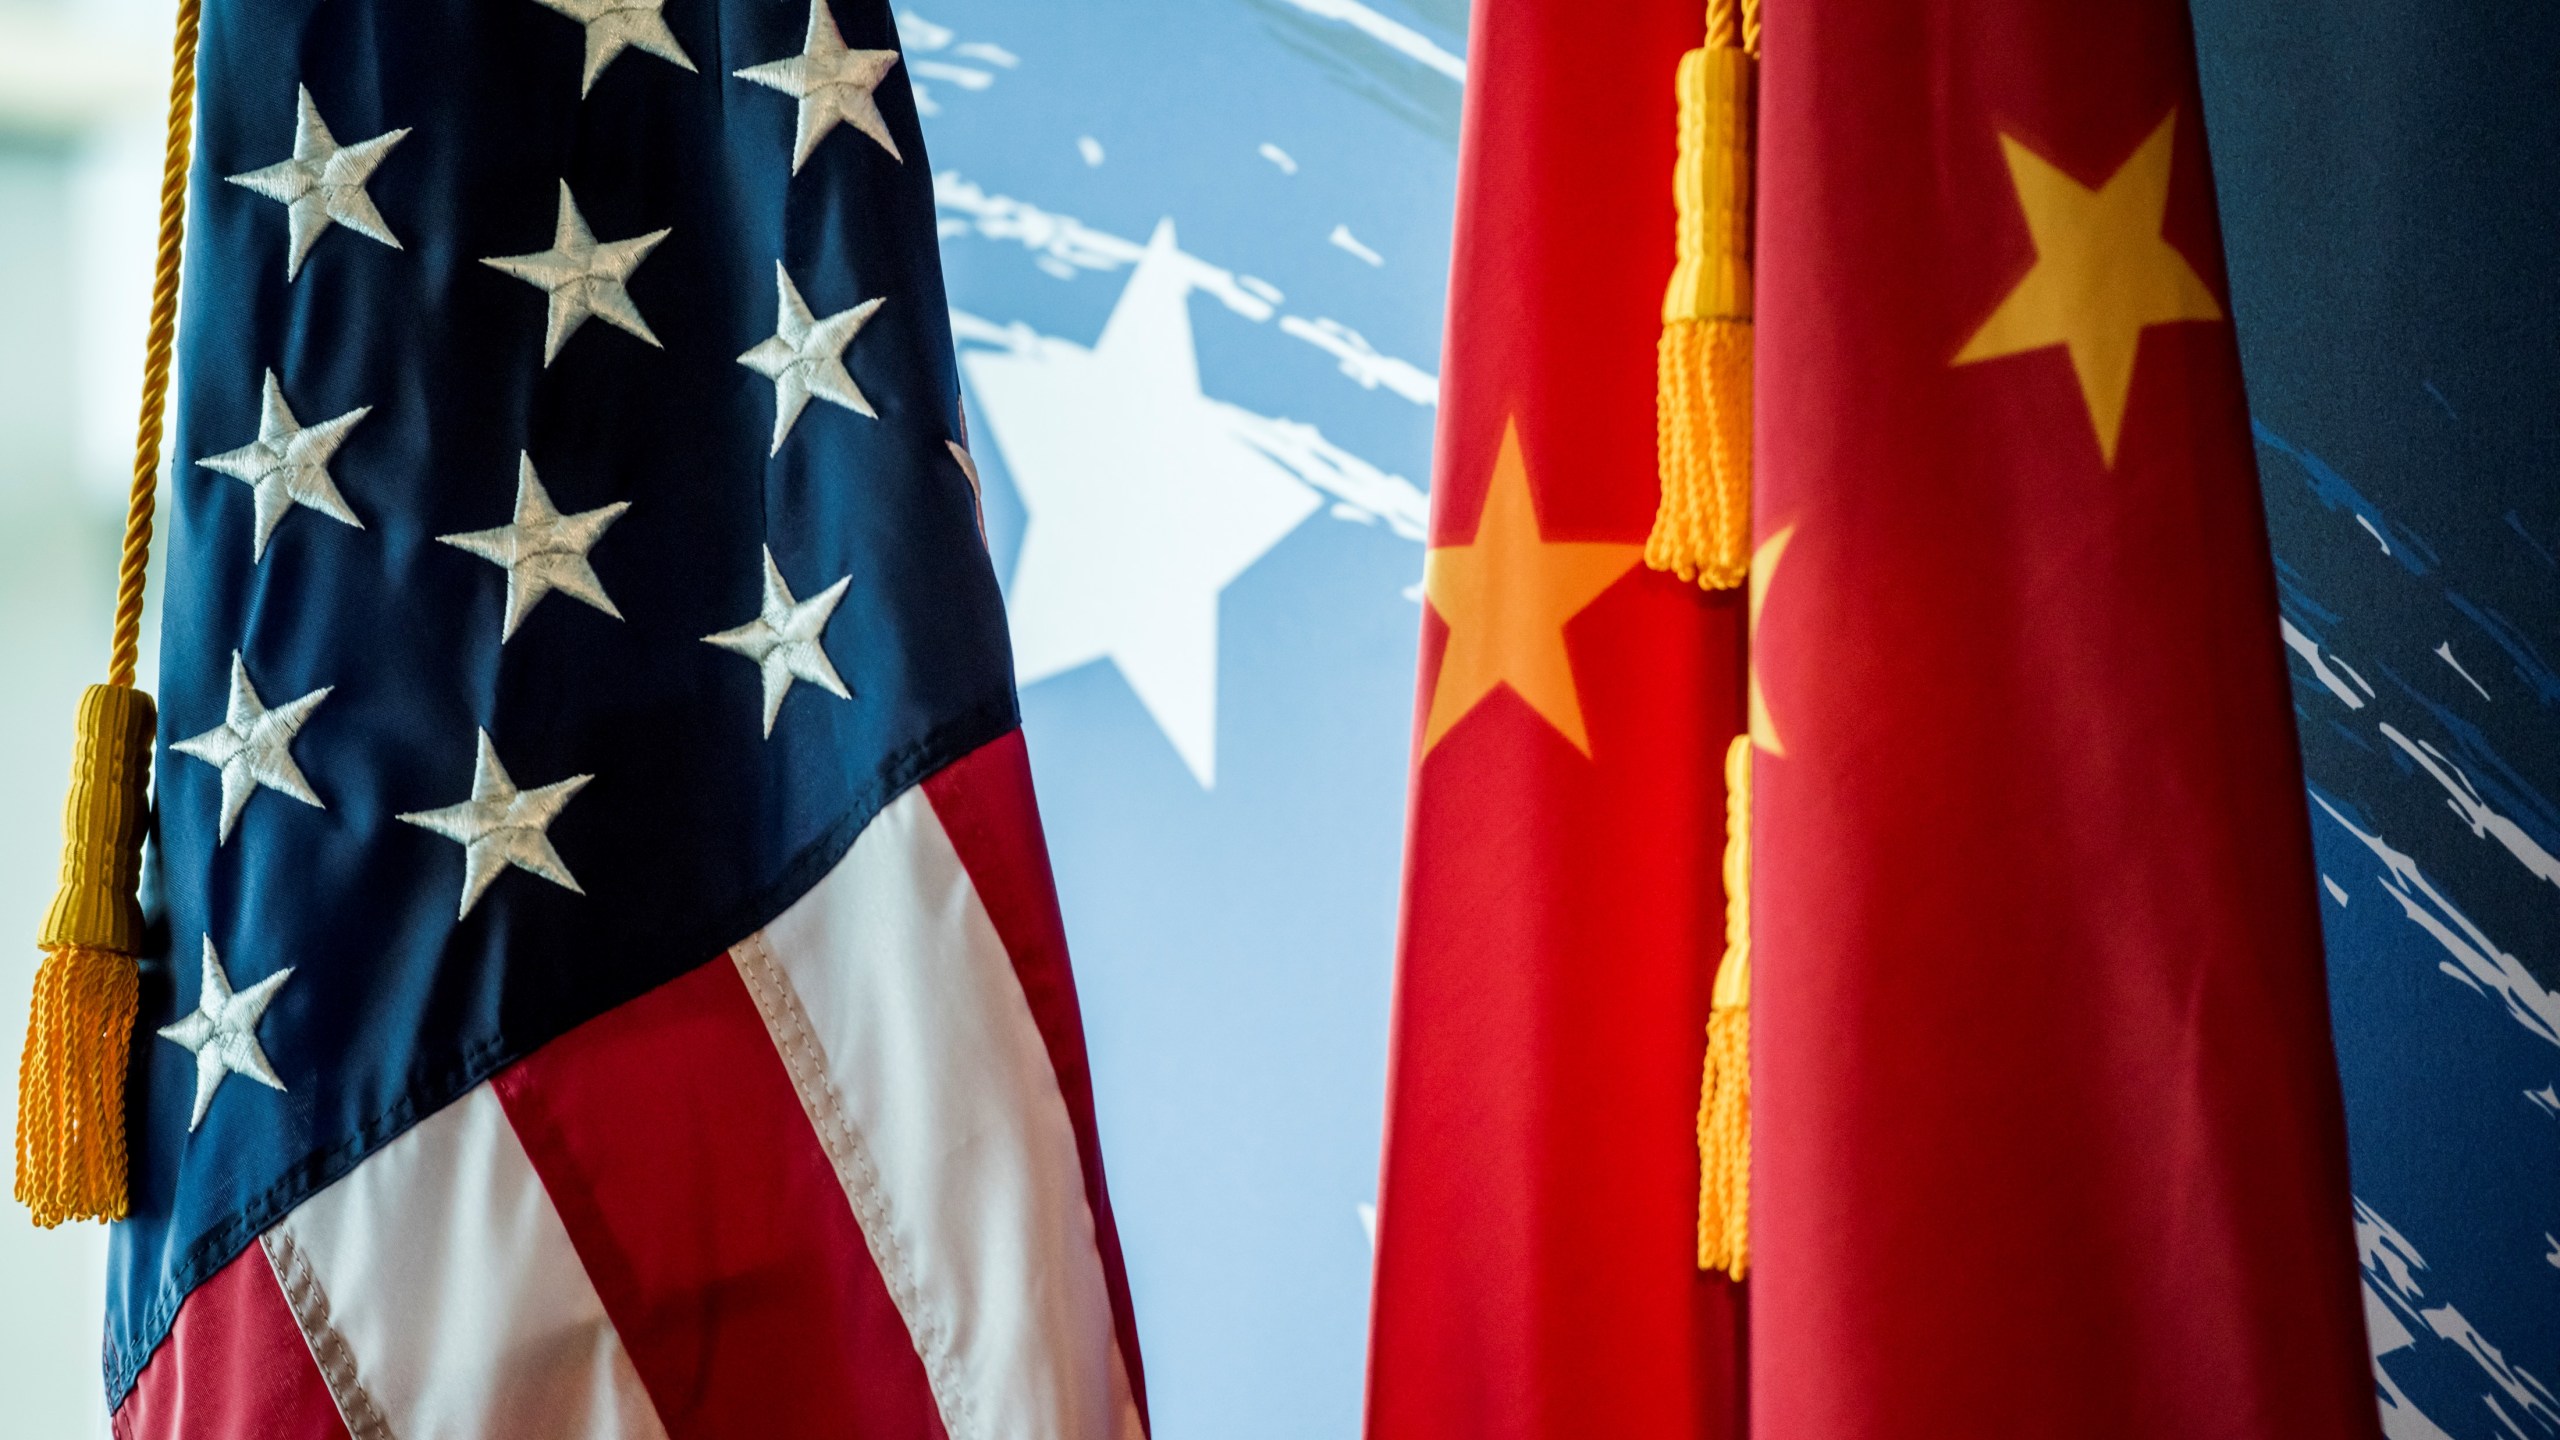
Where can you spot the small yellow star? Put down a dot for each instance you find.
(1505, 596)
(2103, 274)
(1764, 568)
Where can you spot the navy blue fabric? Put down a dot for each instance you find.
(2389, 176)
(696, 828)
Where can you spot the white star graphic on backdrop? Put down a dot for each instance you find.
(833, 84)
(288, 465)
(253, 746)
(501, 825)
(787, 640)
(223, 1032)
(583, 276)
(805, 357)
(323, 184)
(543, 550)
(1144, 501)
(616, 25)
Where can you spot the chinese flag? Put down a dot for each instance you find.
(1537, 1243)
(2047, 1130)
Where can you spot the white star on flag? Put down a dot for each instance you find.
(252, 747)
(583, 276)
(787, 640)
(833, 84)
(804, 357)
(501, 825)
(223, 1032)
(543, 550)
(288, 465)
(1144, 499)
(323, 184)
(616, 25)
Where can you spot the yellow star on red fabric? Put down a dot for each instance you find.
(1505, 596)
(2103, 275)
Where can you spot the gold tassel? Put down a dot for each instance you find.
(71, 1153)
(1724, 1095)
(71, 1141)
(1702, 395)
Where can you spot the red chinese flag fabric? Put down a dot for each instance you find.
(2048, 1138)
(1536, 1272)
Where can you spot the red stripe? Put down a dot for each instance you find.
(235, 1367)
(706, 1213)
(986, 805)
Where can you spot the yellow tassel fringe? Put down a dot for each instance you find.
(1724, 1095)
(1702, 396)
(71, 1153)
(71, 1144)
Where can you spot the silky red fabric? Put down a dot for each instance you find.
(2048, 1138)
(1537, 1241)
(235, 1367)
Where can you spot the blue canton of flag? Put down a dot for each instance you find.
(576, 568)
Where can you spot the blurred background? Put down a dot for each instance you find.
(81, 86)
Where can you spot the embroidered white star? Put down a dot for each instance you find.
(223, 1032)
(616, 25)
(323, 184)
(501, 825)
(543, 550)
(583, 276)
(805, 357)
(833, 84)
(786, 640)
(253, 747)
(288, 465)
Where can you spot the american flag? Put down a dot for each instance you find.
(606, 976)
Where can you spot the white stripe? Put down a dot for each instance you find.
(440, 1291)
(893, 1001)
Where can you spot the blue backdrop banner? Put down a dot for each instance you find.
(2390, 184)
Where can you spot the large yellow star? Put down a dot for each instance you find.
(2103, 274)
(1505, 596)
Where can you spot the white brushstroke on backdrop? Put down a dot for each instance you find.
(2477, 962)
(2464, 800)
(917, 33)
(2309, 649)
(1362, 362)
(2444, 652)
(1277, 156)
(1343, 240)
(963, 76)
(1401, 38)
(2395, 1320)
(1064, 246)
(920, 36)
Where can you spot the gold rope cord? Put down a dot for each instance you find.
(1702, 387)
(71, 1137)
(140, 502)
